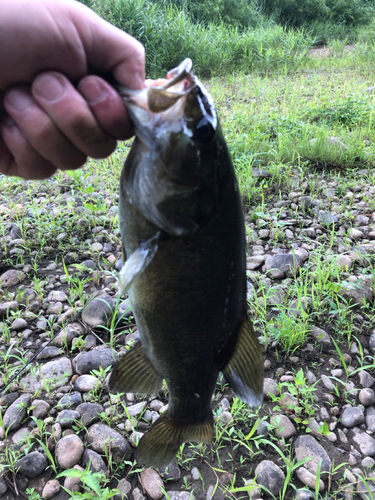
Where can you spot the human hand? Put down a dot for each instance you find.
(54, 111)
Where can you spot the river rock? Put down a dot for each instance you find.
(104, 439)
(365, 443)
(93, 360)
(89, 413)
(171, 472)
(55, 373)
(40, 408)
(352, 416)
(284, 427)
(307, 446)
(66, 418)
(152, 483)
(97, 463)
(69, 451)
(32, 464)
(269, 475)
(16, 412)
(99, 311)
(308, 479)
(85, 383)
(51, 489)
(11, 278)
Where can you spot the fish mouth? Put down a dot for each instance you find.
(166, 100)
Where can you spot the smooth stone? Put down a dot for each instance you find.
(97, 463)
(101, 437)
(3, 485)
(125, 488)
(98, 311)
(152, 483)
(308, 479)
(49, 352)
(40, 408)
(6, 307)
(16, 412)
(51, 489)
(66, 418)
(8, 399)
(67, 334)
(180, 495)
(135, 410)
(352, 416)
(284, 427)
(279, 265)
(86, 383)
(19, 324)
(89, 413)
(321, 336)
(364, 486)
(57, 296)
(366, 397)
(20, 435)
(71, 400)
(270, 476)
(365, 379)
(370, 418)
(365, 443)
(32, 464)
(307, 446)
(93, 360)
(327, 382)
(171, 472)
(56, 372)
(11, 278)
(270, 387)
(69, 451)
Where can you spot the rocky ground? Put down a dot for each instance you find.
(310, 280)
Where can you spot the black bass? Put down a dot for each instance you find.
(183, 237)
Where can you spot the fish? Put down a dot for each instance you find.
(184, 254)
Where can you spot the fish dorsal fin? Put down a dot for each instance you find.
(161, 443)
(138, 261)
(135, 373)
(244, 371)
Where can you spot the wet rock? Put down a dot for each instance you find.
(99, 311)
(66, 418)
(56, 373)
(32, 464)
(16, 412)
(284, 427)
(101, 437)
(69, 451)
(270, 387)
(89, 413)
(86, 383)
(11, 278)
(97, 463)
(40, 408)
(6, 307)
(152, 483)
(270, 476)
(171, 472)
(365, 443)
(51, 489)
(307, 446)
(93, 360)
(308, 479)
(352, 416)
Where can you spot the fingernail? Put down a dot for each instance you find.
(18, 100)
(48, 87)
(92, 90)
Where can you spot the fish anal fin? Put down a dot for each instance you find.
(161, 443)
(135, 373)
(244, 370)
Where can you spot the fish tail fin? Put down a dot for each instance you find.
(244, 371)
(161, 443)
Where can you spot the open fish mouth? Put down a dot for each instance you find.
(160, 98)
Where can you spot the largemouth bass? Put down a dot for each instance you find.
(183, 237)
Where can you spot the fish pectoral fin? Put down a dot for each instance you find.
(135, 373)
(244, 371)
(161, 443)
(137, 262)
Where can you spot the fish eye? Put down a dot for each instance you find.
(204, 130)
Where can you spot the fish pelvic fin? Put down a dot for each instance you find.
(135, 373)
(244, 371)
(137, 262)
(161, 443)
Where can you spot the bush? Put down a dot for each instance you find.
(298, 13)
